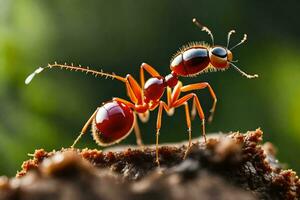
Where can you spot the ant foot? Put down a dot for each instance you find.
(187, 151)
(157, 162)
(142, 147)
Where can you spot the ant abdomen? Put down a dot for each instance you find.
(190, 61)
(113, 122)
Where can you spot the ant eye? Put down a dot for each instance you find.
(219, 57)
(219, 51)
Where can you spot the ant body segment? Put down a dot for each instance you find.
(115, 119)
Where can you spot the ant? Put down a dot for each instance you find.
(115, 119)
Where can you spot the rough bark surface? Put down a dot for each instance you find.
(230, 166)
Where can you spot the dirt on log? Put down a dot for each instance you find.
(229, 166)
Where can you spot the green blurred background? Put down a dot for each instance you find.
(118, 36)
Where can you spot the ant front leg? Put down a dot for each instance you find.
(199, 86)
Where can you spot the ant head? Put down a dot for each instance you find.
(220, 57)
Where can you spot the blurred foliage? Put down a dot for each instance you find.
(118, 36)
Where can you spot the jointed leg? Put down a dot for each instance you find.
(188, 122)
(158, 125)
(199, 86)
(149, 69)
(130, 93)
(174, 102)
(85, 127)
(137, 132)
(132, 84)
(176, 93)
(134, 90)
(172, 96)
(168, 108)
(194, 111)
(169, 99)
(129, 104)
(201, 115)
(187, 97)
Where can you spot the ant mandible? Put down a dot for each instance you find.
(115, 119)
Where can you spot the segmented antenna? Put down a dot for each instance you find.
(241, 42)
(228, 37)
(243, 73)
(75, 68)
(205, 29)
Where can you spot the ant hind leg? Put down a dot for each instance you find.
(84, 128)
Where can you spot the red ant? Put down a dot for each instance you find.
(115, 119)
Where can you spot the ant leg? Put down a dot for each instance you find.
(149, 69)
(129, 104)
(158, 126)
(134, 89)
(176, 92)
(172, 96)
(199, 86)
(174, 102)
(171, 111)
(137, 132)
(130, 93)
(201, 115)
(85, 127)
(187, 97)
(189, 125)
(193, 113)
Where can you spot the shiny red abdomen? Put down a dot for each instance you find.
(113, 122)
(190, 62)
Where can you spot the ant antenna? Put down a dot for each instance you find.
(241, 42)
(204, 28)
(71, 68)
(243, 73)
(228, 37)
